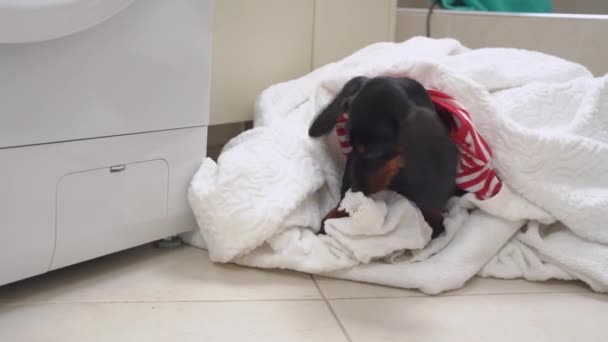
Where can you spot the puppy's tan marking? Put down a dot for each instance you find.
(382, 178)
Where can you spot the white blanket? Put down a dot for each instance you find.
(546, 120)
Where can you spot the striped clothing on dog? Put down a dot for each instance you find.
(475, 171)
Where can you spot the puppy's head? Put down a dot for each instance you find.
(379, 110)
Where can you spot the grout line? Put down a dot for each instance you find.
(164, 301)
(331, 309)
(312, 38)
(323, 298)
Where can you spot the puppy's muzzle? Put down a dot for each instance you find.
(378, 178)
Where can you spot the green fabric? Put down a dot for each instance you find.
(530, 6)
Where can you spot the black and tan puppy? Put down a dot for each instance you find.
(399, 143)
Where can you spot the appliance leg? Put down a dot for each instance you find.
(170, 242)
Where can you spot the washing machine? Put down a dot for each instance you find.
(104, 107)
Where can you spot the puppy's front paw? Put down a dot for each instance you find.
(435, 219)
(438, 229)
(335, 213)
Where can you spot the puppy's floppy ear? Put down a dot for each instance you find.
(325, 122)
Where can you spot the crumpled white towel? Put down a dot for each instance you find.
(378, 226)
(385, 224)
(546, 120)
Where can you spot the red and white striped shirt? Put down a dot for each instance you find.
(475, 171)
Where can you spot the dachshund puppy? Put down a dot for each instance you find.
(399, 142)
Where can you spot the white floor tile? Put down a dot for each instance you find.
(552, 317)
(343, 289)
(147, 294)
(149, 322)
(149, 274)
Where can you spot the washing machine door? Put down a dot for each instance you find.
(145, 69)
(23, 21)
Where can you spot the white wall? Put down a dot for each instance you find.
(581, 6)
(575, 39)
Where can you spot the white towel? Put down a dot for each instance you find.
(546, 120)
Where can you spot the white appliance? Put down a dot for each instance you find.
(104, 107)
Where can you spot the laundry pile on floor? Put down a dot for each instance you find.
(545, 119)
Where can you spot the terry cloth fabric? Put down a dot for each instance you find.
(475, 171)
(545, 118)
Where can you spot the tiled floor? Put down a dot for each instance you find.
(147, 294)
